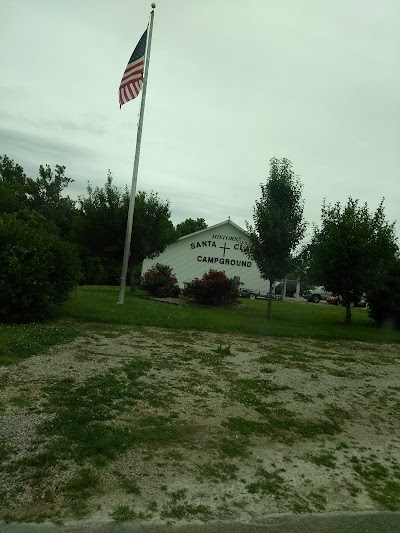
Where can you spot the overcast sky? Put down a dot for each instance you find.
(231, 84)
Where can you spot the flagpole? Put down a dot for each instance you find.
(129, 223)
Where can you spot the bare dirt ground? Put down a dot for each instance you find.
(165, 426)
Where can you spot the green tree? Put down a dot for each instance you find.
(38, 269)
(101, 226)
(189, 226)
(152, 229)
(45, 197)
(278, 224)
(14, 186)
(352, 251)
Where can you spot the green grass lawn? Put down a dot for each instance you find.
(18, 341)
(288, 319)
(99, 304)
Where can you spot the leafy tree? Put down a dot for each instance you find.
(45, 197)
(278, 224)
(13, 186)
(101, 226)
(189, 226)
(384, 303)
(152, 229)
(352, 251)
(38, 269)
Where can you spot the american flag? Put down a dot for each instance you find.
(132, 80)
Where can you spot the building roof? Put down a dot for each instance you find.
(229, 221)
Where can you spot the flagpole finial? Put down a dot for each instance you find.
(153, 5)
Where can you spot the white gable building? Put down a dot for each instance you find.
(218, 247)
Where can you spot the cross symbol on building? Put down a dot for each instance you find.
(225, 247)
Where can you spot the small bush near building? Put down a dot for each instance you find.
(214, 288)
(38, 269)
(160, 281)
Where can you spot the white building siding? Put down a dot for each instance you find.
(217, 248)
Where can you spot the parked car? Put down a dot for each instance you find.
(316, 294)
(290, 288)
(333, 300)
(337, 300)
(252, 294)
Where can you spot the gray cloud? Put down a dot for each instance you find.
(230, 86)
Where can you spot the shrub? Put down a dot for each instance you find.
(93, 272)
(38, 269)
(160, 281)
(214, 288)
(384, 304)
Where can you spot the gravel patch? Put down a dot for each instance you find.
(266, 426)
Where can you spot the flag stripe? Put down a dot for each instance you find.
(137, 72)
(132, 79)
(133, 66)
(134, 76)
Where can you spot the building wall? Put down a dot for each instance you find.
(217, 248)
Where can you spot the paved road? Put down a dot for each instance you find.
(371, 522)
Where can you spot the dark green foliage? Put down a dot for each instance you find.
(45, 197)
(94, 272)
(214, 288)
(152, 228)
(160, 281)
(13, 186)
(384, 303)
(352, 252)
(101, 226)
(278, 224)
(189, 226)
(98, 226)
(41, 195)
(38, 269)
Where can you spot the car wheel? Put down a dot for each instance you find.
(315, 298)
(252, 296)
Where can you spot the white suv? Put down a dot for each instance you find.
(316, 294)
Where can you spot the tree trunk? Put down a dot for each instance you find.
(347, 320)
(271, 284)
